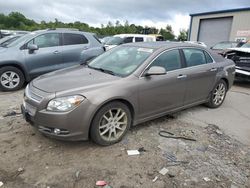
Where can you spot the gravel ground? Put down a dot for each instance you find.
(28, 159)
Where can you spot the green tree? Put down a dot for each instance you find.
(183, 35)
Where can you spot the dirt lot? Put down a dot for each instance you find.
(220, 156)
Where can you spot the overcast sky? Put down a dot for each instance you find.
(156, 13)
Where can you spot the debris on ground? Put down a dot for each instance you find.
(155, 179)
(163, 171)
(142, 150)
(77, 174)
(133, 152)
(168, 134)
(20, 170)
(206, 179)
(12, 113)
(101, 183)
(1, 183)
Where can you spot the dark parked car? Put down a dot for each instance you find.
(221, 46)
(125, 86)
(44, 51)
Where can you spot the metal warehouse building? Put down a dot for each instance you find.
(217, 26)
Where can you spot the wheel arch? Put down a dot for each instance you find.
(225, 80)
(124, 101)
(18, 66)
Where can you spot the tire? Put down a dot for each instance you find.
(216, 100)
(105, 124)
(16, 78)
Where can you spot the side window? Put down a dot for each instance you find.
(47, 40)
(169, 60)
(73, 39)
(208, 57)
(128, 39)
(194, 57)
(138, 39)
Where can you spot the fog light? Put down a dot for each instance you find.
(57, 131)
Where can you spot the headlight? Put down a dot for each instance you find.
(64, 104)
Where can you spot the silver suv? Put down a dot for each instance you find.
(44, 51)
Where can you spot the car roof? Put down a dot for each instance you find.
(132, 35)
(60, 31)
(162, 44)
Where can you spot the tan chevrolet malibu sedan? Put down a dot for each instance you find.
(123, 87)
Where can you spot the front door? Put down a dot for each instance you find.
(161, 93)
(47, 58)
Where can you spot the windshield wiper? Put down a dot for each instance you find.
(103, 70)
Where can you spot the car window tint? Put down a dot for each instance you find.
(194, 57)
(208, 58)
(138, 39)
(73, 39)
(169, 60)
(128, 39)
(47, 40)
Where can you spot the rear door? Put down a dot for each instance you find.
(74, 46)
(48, 57)
(201, 74)
(161, 93)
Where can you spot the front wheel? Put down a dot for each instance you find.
(11, 78)
(110, 123)
(218, 95)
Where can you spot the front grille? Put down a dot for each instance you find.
(32, 96)
(241, 59)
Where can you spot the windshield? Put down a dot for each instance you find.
(247, 45)
(20, 39)
(115, 41)
(223, 45)
(121, 61)
(8, 41)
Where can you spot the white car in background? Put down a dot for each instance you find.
(128, 38)
(197, 42)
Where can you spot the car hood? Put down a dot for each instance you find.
(3, 49)
(78, 78)
(247, 50)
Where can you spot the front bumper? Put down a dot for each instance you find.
(242, 74)
(73, 125)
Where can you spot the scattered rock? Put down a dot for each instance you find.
(20, 170)
(218, 132)
(1, 183)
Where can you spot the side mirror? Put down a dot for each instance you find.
(211, 47)
(32, 48)
(155, 70)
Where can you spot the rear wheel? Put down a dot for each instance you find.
(110, 123)
(218, 95)
(11, 78)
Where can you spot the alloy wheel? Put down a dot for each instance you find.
(219, 94)
(10, 79)
(113, 124)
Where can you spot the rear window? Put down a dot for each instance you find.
(194, 57)
(128, 39)
(138, 39)
(208, 57)
(73, 39)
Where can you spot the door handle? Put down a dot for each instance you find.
(85, 48)
(181, 76)
(56, 52)
(213, 69)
